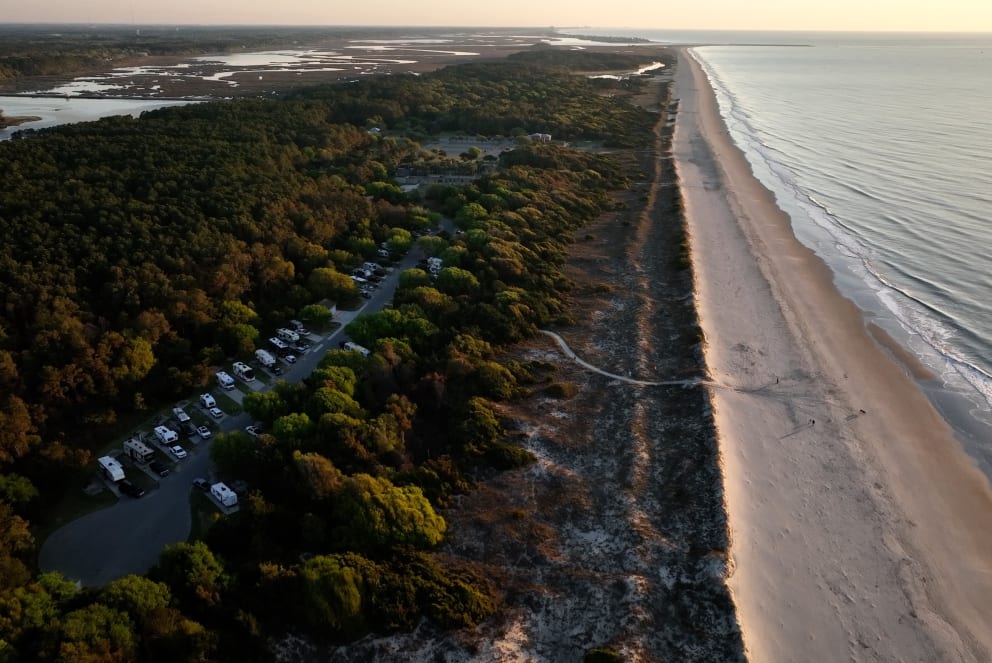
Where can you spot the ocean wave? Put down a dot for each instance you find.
(902, 205)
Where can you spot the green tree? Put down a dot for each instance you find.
(328, 399)
(471, 215)
(234, 452)
(97, 633)
(333, 593)
(136, 595)
(15, 489)
(292, 428)
(412, 278)
(373, 513)
(240, 339)
(265, 406)
(317, 315)
(194, 574)
(34, 606)
(16, 428)
(320, 477)
(327, 283)
(432, 245)
(15, 542)
(457, 281)
(237, 313)
(400, 240)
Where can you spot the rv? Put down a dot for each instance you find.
(244, 371)
(225, 380)
(110, 468)
(265, 358)
(223, 494)
(166, 435)
(138, 451)
(288, 335)
(348, 345)
(277, 344)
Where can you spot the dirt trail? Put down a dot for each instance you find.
(692, 382)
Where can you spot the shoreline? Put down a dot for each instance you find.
(860, 527)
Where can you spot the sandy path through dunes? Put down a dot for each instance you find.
(863, 536)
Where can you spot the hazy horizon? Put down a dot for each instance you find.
(558, 28)
(966, 16)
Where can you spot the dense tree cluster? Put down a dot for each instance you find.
(493, 98)
(143, 250)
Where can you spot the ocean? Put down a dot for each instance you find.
(879, 147)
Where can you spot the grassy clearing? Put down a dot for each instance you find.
(75, 504)
(228, 404)
(203, 514)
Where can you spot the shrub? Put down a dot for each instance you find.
(561, 390)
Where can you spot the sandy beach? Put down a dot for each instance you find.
(860, 529)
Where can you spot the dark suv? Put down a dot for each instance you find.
(158, 468)
(129, 489)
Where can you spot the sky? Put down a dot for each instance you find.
(868, 15)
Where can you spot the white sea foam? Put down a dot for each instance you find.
(795, 166)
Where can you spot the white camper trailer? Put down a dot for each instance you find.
(265, 358)
(223, 494)
(348, 345)
(225, 380)
(110, 468)
(244, 371)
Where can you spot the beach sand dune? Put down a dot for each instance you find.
(860, 529)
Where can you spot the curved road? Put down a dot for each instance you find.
(127, 537)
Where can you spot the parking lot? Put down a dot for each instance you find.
(128, 536)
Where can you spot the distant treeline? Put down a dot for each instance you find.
(139, 253)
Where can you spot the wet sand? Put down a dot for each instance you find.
(860, 529)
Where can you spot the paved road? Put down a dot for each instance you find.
(128, 536)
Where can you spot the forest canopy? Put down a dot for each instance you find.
(144, 252)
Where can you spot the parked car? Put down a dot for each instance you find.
(159, 468)
(302, 345)
(216, 412)
(180, 414)
(201, 484)
(289, 359)
(252, 430)
(207, 400)
(204, 432)
(129, 489)
(188, 428)
(275, 369)
(178, 451)
(366, 294)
